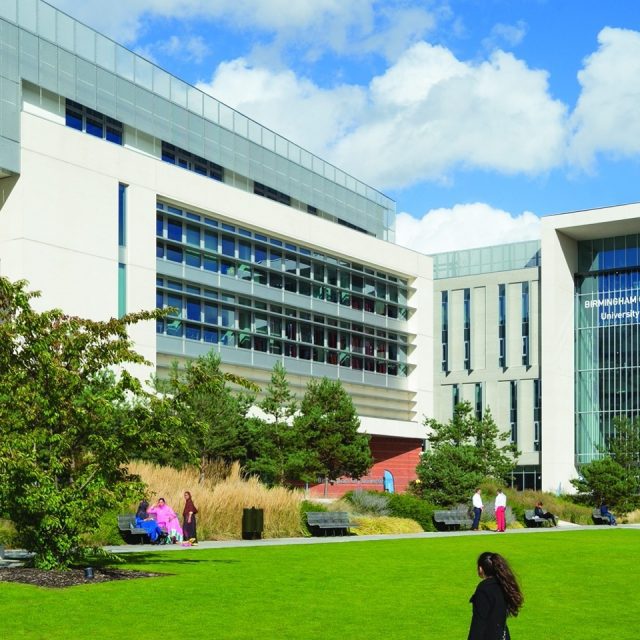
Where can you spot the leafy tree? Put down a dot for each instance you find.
(326, 431)
(214, 415)
(462, 453)
(606, 480)
(68, 423)
(273, 438)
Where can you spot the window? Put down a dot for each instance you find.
(444, 315)
(191, 162)
(502, 326)
(455, 396)
(525, 323)
(478, 401)
(267, 192)
(537, 414)
(513, 410)
(467, 328)
(122, 214)
(122, 290)
(93, 122)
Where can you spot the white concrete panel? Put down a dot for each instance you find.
(478, 328)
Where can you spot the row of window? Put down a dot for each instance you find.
(82, 118)
(502, 327)
(215, 317)
(191, 162)
(92, 122)
(208, 221)
(281, 266)
(513, 408)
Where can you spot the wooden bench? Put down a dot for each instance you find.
(452, 519)
(329, 522)
(129, 532)
(532, 520)
(598, 518)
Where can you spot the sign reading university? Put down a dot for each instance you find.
(616, 309)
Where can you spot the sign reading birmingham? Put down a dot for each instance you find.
(616, 308)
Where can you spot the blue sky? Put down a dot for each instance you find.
(476, 116)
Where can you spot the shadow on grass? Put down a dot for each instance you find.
(153, 558)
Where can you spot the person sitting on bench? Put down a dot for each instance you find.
(544, 515)
(149, 524)
(605, 513)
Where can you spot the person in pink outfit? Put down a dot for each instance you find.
(501, 507)
(167, 519)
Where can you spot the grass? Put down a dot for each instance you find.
(574, 583)
(220, 500)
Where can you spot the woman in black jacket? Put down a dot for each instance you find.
(496, 597)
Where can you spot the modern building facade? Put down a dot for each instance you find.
(124, 188)
(590, 334)
(487, 331)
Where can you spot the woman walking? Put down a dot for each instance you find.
(496, 597)
(189, 519)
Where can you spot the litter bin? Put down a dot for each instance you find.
(252, 523)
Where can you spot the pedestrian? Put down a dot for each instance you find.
(477, 509)
(501, 507)
(189, 519)
(496, 597)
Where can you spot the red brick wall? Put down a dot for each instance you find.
(397, 455)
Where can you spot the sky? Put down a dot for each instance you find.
(476, 116)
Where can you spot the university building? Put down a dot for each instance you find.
(124, 188)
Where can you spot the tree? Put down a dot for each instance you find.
(462, 453)
(326, 431)
(213, 413)
(606, 480)
(615, 477)
(68, 423)
(274, 439)
(624, 443)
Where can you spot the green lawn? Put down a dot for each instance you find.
(576, 584)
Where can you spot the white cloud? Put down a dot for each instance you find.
(192, 48)
(427, 115)
(497, 115)
(505, 34)
(355, 26)
(607, 115)
(464, 226)
(294, 107)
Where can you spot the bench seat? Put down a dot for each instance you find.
(329, 522)
(532, 520)
(452, 519)
(129, 532)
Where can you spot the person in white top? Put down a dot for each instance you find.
(477, 509)
(501, 506)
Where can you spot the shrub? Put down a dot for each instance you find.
(107, 531)
(7, 533)
(370, 503)
(561, 506)
(380, 525)
(405, 505)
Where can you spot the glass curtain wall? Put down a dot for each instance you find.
(607, 339)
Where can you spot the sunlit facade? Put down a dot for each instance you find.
(124, 188)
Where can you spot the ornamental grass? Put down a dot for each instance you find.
(221, 498)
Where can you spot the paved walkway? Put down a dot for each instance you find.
(564, 527)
